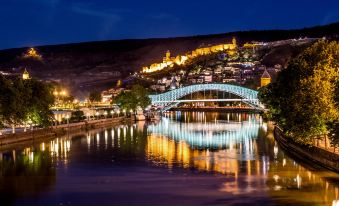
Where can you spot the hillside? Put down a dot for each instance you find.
(96, 65)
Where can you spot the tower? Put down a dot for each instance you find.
(25, 75)
(168, 55)
(234, 41)
(265, 79)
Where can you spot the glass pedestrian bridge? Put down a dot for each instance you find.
(172, 98)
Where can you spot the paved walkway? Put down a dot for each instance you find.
(8, 131)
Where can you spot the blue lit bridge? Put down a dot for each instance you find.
(172, 98)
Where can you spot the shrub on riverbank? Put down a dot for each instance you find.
(304, 99)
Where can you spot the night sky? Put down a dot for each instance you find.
(39, 22)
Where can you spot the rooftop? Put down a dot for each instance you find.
(265, 74)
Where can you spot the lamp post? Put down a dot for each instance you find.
(118, 112)
(30, 123)
(112, 113)
(105, 114)
(124, 112)
(67, 118)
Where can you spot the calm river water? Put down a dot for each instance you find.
(188, 158)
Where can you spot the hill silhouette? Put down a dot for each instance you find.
(96, 65)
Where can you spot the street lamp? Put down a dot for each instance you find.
(124, 112)
(118, 112)
(67, 118)
(30, 123)
(112, 112)
(63, 93)
(105, 113)
(97, 114)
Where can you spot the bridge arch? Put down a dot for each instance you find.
(171, 98)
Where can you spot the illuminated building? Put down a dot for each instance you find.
(25, 75)
(169, 61)
(32, 53)
(251, 45)
(265, 79)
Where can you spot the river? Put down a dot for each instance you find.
(187, 158)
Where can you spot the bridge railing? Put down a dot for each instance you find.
(165, 99)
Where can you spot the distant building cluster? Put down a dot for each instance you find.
(249, 74)
(242, 67)
(108, 95)
(169, 61)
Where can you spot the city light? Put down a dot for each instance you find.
(144, 103)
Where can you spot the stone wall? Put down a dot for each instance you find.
(54, 132)
(318, 156)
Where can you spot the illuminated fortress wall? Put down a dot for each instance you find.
(169, 61)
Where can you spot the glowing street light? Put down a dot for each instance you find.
(105, 114)
(63, 93)
(124, 112)
(118, 112)
(67, 118)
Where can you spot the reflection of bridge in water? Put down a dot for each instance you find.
(211, 135)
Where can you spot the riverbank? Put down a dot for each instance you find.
(313, 155)
(217, 109)
(57, 131)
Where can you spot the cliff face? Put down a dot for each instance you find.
(96, 65)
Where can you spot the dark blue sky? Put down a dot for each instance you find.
(38, 22)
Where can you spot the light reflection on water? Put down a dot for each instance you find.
(237, 146)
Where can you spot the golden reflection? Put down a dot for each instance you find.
(183, 154)
(162, 150)
(112, 135)
(239, 159)
(249, 161)
(59, 147)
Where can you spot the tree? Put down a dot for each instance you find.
(25, 101)
(6, 103)
(77, 116)
(95, 96)
(141, 96)
(39, 102)
(136, 97)
(304, 99)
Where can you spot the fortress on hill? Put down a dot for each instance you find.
(169, 61)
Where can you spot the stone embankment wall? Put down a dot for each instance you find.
(315, 155)
(57, 131)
